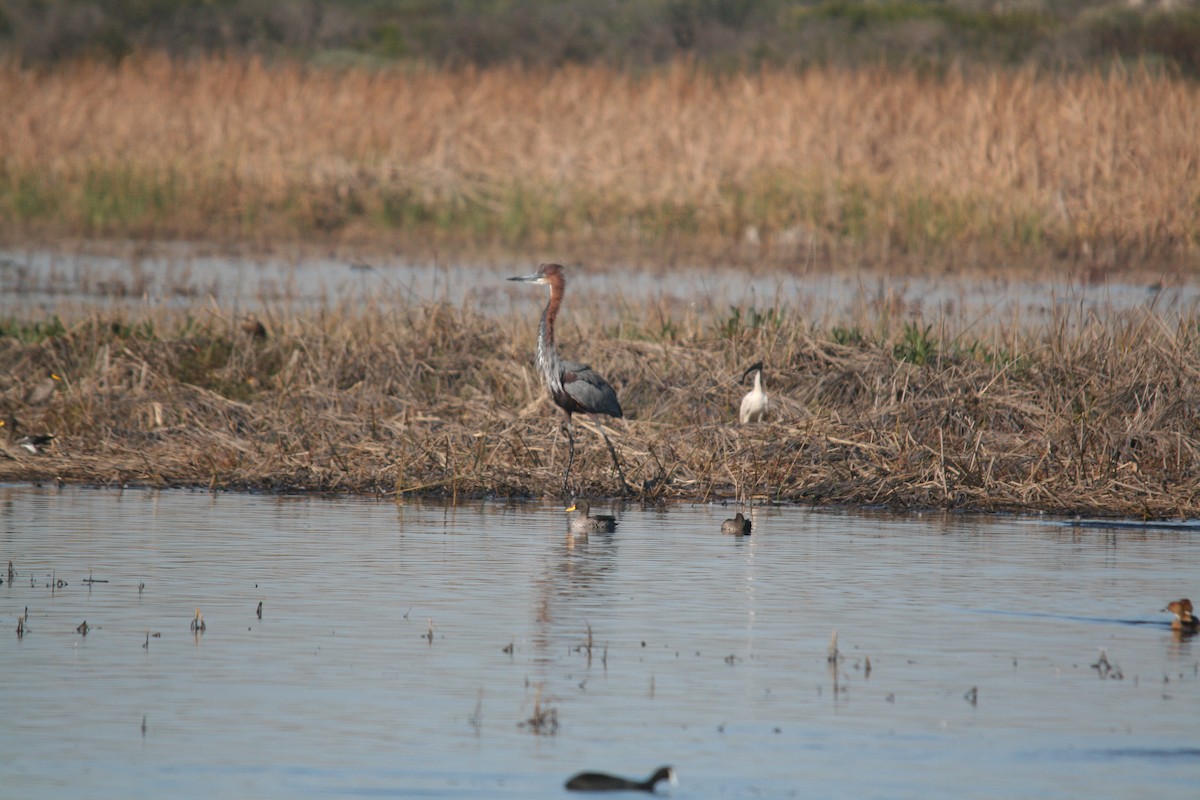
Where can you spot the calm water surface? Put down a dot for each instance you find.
(49, 282)
(708, 652)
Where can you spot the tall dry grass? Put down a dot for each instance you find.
(1100, 167)
(1082, 415)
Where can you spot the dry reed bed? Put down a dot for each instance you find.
(1103, 167)
(1085, 416)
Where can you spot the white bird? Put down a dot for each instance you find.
(754, 404)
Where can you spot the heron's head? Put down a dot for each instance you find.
(750, 370)
(547, 273)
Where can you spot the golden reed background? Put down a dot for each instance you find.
(1080, 163)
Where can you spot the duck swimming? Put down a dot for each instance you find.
(582, 523)
(600, 782)
(738, 526)
(1184, 621)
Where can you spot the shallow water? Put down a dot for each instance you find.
(47, 281)
(709, 652)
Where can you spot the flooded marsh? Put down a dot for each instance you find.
(403, 649)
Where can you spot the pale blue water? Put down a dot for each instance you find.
(38, 281)
(708, 651)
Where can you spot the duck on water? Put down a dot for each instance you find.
(601, 782)
(1185, 620)
(738, 526)
(583, 522)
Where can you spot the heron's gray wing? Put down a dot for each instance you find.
(590, 392)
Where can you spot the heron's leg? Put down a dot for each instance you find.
(613, 453)
(570, 455)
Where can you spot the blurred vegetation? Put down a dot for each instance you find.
(723, 34)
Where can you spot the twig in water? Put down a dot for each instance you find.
(832, 656)
(1105, 669)
(544, 721)
(476, 719)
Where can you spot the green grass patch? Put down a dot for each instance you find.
(120, 198)
(916, 345)
(32, 331)
(922, 219)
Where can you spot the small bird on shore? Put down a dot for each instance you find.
(582, 522)
(601, 782)
(1185, 621)
(738, 526)
(33, 443)
(574, 387)
(754, 404)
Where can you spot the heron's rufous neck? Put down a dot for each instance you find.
(547, 353)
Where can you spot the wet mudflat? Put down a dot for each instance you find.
(408, 651)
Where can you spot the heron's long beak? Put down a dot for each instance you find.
(534, 278)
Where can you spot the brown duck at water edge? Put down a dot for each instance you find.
(738, 526)
(600, 782)
(582, 522)
(1185, 621)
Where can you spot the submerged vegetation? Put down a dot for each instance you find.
(825, 167)
(1081, 415)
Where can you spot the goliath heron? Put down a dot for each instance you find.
(574, 387)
